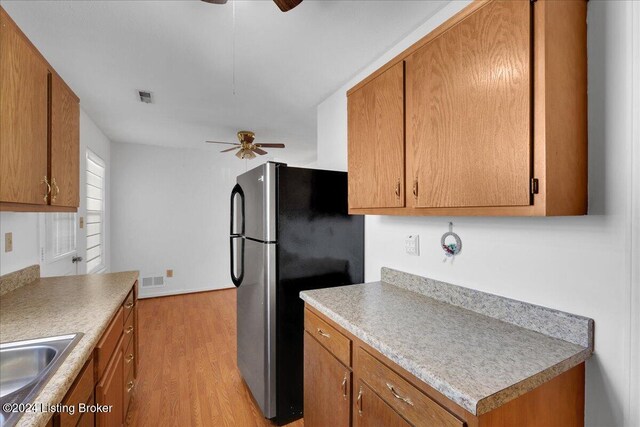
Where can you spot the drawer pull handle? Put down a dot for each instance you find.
(359, 401)
(344, 386)
(130, 386)
(128, 305)
(129, 358)
(397, 396)
(129, 329)
(323, 333)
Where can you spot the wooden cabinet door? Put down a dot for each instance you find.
(110, 391)
(371, 411)
(65, 145)
(376, 142)
(23, 118)
(468, 101)
(327, 387)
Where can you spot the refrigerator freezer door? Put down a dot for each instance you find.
(259, 193)
(256, 324)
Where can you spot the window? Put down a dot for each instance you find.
(95, 212)
(60, 234)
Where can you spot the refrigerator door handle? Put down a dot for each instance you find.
(237, 280)
(236, 192)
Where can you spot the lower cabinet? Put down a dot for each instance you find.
(110, 391)
(372, 411)
(108, 379)
(385, 395)
(327, 387)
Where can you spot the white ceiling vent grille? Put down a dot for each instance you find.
(145, 96)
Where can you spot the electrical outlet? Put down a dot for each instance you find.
(412, 244)
(169, 273)
(8, 242)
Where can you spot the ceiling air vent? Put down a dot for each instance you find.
(145, 96)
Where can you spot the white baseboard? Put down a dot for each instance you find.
(169, 292)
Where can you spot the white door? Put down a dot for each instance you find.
(58, 244)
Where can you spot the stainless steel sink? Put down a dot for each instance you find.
(25, 367)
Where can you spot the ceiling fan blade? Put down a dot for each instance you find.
(240, 154)
(259, 151)
(269, 145)
(287, 5)
(229, 149)
(215, 1)
(220, 142)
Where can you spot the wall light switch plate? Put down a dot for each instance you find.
(81, 222)
(412, 244)
(8, 242)
(169, 273)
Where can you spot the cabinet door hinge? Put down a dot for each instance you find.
(534, 185)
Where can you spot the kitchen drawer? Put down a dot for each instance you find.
(128, 304)
(108, 343)
(129, 386)
(129, 354)
(128, 329)
(403, 397)
(80, 392)
(328, 336)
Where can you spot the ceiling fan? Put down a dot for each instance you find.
(246, 148)
(284, 5)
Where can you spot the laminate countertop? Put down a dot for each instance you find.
(59, 306)
(478, 361)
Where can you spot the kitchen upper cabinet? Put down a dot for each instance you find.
(327, 387)
(39, 129)
(469, 111)
(494, 117)
(376, 142)
(65, 145)
(23, 118)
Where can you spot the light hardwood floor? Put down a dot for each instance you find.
(188, 374)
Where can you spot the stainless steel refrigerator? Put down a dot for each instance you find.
(290, 231)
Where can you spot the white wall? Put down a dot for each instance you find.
(171, 211)
(24, 226)
(578, 264)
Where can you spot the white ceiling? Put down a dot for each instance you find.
(285, 63)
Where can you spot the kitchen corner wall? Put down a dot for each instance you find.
(24, 226)
(171, 211)
(577, 264)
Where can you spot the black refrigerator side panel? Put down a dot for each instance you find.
(319, 246)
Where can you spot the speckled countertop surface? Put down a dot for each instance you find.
(475, 360)
(57, 306)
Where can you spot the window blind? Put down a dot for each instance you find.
(95, 212)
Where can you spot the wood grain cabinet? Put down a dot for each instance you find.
(493, 107)
(376, 142)
(39, 129)
(386, 395)
(109, 377)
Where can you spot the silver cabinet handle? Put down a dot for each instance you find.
(323, 333)
(359, 401)
(397, 396)
(128, 330)
(128, 305)
(129, 358)
(130, 385)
